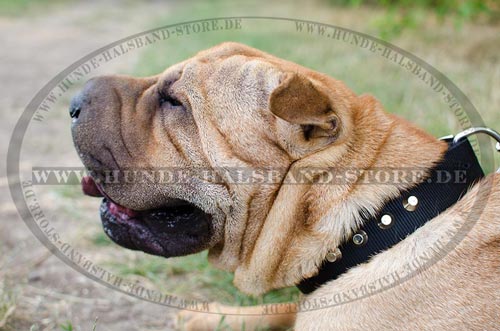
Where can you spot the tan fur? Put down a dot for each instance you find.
(459, 292)
(237, 318)
(251, 109)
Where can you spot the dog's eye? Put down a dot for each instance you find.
(167, 99)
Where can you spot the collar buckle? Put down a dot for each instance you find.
(490, 132)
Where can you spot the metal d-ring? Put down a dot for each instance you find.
(490, 132)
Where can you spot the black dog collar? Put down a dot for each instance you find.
(400, 217)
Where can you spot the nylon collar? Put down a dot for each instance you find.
(400, 217)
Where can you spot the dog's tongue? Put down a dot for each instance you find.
(89, 187)
(119, 210)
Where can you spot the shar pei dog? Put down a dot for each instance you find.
(413, 254)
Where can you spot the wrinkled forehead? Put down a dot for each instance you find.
(228, 56)
(230, 53)
(230, 69)
(226, 50)
(229, 61)
(217, 54)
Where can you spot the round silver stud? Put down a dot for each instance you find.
(386, 221)
(360, 238)
(410, 203)
(334, 255)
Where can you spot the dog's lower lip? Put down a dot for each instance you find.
(170, 231)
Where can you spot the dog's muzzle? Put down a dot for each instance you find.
(140, 216)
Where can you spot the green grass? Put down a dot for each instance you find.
(100, 239)
(402, 15)
(8, 298)
(70, 191)
(67, 326)
(193, 277)
(24, 7)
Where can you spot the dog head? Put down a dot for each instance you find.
(232, 108)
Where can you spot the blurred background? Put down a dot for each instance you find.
(461, 38)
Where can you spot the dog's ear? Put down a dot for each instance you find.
(298, 101)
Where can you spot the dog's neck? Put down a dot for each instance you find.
(445, 184)
(325, 215)
(382, 142)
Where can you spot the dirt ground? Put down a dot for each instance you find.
(48, 292)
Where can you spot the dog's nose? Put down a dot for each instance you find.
(76, 106)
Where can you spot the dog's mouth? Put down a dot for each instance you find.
(179, 228)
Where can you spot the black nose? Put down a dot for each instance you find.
(75, 106)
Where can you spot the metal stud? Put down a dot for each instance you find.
(334, 255)
(360, 238)
(410, 203)
(386, 221)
